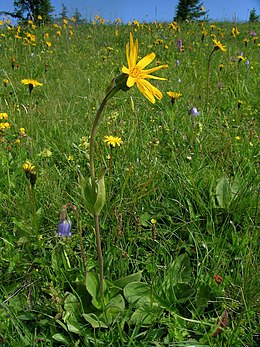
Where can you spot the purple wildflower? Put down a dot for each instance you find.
(64, 228)
(179, 44)
(194, 112)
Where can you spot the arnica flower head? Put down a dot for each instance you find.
(136, 73)
(31, 83)
(194, 112)
(218, 45)
(241, 57)
(174, 96)
(113, 141)
(30, 172)
(64, 228)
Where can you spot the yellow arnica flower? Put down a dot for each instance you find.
(30, 172)
(218, 45)
(136, 73)
(34, 83)
(113, 141)
(28, 167)
(174, 95)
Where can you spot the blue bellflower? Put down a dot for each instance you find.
(64, 228)
(194, 112)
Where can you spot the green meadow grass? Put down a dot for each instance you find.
(196, 177)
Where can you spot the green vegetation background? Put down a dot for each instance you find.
(197, 177)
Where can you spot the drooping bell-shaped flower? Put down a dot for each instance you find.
(64, 228)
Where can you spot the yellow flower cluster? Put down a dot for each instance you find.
(5, 125)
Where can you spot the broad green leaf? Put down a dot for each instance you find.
(136, 290)
(61, 338)
(101, 193)
(94, 320)
(93, 287)
(146, 312)
(115, 308)
(202, 295)
(87, 193)
(141, 317)
(71, 308)
(75, 327)
(236, 186)
(180, 270)
(223, 192)
(116, 303)
(122, 282)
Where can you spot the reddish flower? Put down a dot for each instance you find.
(218, 279)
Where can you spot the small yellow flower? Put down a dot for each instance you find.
(28, 166)
(3, 115)
(31, 84)
(136, 73)
(39, 17)
(221, 66)
(70, 158)
(5, 81)
(22, 132)
(5, 125)
(34, 83)
(218, 45)
(153, 221)
(241, 58)
(173, 96)
(238, 138)
(30, 172)
(112, 141)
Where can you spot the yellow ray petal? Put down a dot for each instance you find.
(145, 61)
(130, 81)
(146, 92)
(153, 69)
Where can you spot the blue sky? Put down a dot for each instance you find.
(149, 10)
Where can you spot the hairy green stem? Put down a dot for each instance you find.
(93, 183)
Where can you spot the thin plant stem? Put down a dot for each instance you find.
(93, 183)
(100, 257)
(110, 162)
(208, 79)
(82, 247)
(33, 208)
